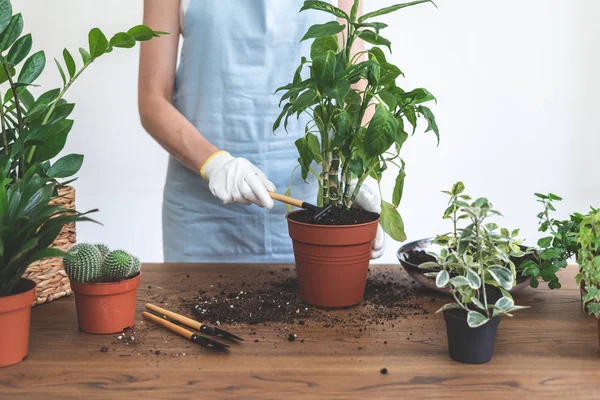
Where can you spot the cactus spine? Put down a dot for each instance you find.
(85, 264)
(118, 265)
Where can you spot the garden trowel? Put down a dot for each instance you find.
(318, 212)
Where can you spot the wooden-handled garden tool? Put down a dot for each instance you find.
(318, 212)
(191, 336)
(203, 328)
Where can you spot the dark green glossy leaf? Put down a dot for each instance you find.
(398, 188)
(323, 45)
(32, 68)
(19, 50)
(371, 37)
(317, 31)
(315, 146)
(12, 32)
(65, 167)
(70, 63)
(61, 112)
(306, 156)
(390, 9)
(356, 166)
(5, 14)
(123, 40)
(141, 33)
(381, 132)
(36, 135)
(377, 26)
(303, 101)
(326, 7)
(354, 10)
(4, 76)
(98, 43)
(61, 71)
(323, 68)
(281, 115)
(55, 141)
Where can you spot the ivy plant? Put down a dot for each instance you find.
(556, 248)
(475, 258)
(34, 130)
(588, 258)
(336, 136)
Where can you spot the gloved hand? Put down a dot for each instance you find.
(369, 199)
(232, 179)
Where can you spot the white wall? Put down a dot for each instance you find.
(515, 82)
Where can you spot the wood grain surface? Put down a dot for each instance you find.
(548, 351)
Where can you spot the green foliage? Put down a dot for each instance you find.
(90, 263)
(476, 257)
(28, 225)
(588, 258)
(22, 143)
(556, 248)
(336, 137)
(84, 263)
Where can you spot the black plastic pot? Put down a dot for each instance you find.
(469, 345)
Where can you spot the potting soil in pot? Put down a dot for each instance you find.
(337, 216)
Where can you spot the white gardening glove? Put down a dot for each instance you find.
(232, 179)
(369, 199)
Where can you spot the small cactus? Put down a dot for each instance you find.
(119, 265)
(104, 250)
(85, 264)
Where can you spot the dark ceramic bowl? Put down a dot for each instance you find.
(412, 254)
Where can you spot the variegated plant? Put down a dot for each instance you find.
(475, 258)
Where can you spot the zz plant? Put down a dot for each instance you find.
(34, 130)
(476, 258)
(336, 137)
(588, 258)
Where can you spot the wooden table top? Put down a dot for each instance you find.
(548, 351)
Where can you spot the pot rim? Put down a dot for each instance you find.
(18, 300)
(106, 288)
(328, 226)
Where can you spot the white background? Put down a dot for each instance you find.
(516, 82)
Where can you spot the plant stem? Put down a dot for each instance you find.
(480, 256)
(15, 96)
(4, 139)
(53, 106)
(334, 183)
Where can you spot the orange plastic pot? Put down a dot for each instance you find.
(15, 318)
(104, 308)
(332, 261)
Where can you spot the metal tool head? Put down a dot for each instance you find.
(322, 213)
(210, 330)
(207, 342)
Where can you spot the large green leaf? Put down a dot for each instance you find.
(12, 32)
(323, 45)
(123, 39)
(65, 167)
(32, 68)
(398, 188)
(323, 68)
(373, 38)
(324, 6)
(390, 9)
(303, 101)
(381, 132)
(323, 30)
(55, 141)
(306, 156)
(36, 135)
(70, 63)
(315, 146)
(98, 43)
(141, 33)
(5, 14)
(19, 50)
(391, 222)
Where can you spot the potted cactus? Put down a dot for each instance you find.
(588, 258)
(105, 285)
(332, 256)
(28, 226)
(475, 264)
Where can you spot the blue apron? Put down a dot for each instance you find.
(235, 54)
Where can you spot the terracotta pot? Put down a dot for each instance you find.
(332, 261)
(104, 308)
(15, 317)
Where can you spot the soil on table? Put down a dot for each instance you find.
(336, 216)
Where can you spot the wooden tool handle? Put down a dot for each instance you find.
(286, 200)
(169, 325)
(174, 316)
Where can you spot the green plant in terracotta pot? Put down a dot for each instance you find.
(332, 257)
(476, 264)
(105, 285)
(28, 226)
(588, 258)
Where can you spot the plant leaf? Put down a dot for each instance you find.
(5, 14)
(390, 9)
(61, 71)
(65, 167)
(381, 132)
(449, 306)
(442, 278)
(476, 319)
(141, 33)
(98, 43)
(398, 188)
(322, 45)
(391, 222)
(55, 141)
(19, 50)
(324, 6)
(317, 31)
(323, 68)
(502, 276)
(123, 40)
(12, 32)
(373, 38)
(32, 68)
(70, 63)
(85, 56)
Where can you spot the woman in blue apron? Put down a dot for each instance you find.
(213, 114)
